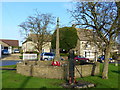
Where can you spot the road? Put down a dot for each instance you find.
(8, 62)
(13, 62)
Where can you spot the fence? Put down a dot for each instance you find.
(29, 56)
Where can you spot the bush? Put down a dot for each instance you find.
(21, 52)
(68, 38)
(64, 54)
(21, 57)
(115, 55)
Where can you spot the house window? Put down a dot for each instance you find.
(87, 45)
(89, 54)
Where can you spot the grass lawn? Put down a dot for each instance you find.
(112, 82)
(10, 79)
(10, 66)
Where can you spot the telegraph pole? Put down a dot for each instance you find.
(57, 54)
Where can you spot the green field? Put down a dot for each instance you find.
(10, 79)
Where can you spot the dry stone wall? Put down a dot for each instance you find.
(43, 69)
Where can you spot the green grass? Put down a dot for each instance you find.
(10, 66)
(10, 79)
(112, 82)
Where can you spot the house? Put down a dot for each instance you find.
(9, 44)
(85, 47)
(30, 46)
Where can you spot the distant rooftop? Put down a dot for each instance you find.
(10, 42)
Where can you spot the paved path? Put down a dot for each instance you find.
(11, 57)
(7, 68)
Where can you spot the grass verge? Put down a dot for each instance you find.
(10, 79)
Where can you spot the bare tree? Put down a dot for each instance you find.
(102, 18)
(37, 29)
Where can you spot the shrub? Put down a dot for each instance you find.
(64, 54)
(21, 57)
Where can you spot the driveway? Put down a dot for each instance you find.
(8, 62)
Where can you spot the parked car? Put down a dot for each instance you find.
(81, 58)
(47, 56)
(102, 58)
(16, 51)
(5, 52)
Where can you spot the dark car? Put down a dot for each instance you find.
(81, 58)
(5, 52)
(102, 58)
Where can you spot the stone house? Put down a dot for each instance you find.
(29, 45)
(10, 45)
(85, 47)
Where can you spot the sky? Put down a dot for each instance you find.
(14, 13)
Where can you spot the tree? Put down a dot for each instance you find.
(102, 18)
(35, 29)
(68, 38)
(118, 14)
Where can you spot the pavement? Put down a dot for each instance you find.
(11, 57)
(7, 68)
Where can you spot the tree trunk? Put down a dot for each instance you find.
(106, 63)
(40, 51)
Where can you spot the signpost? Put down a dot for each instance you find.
(71, 67)
(72, 82)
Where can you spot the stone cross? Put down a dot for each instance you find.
(57, 54)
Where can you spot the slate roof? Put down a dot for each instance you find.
(10, 42)
(84, 34)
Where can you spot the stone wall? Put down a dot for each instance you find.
(44, 69)
(87, 70)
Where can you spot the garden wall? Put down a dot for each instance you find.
(43, 69)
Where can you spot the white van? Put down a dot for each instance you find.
(47, 56)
